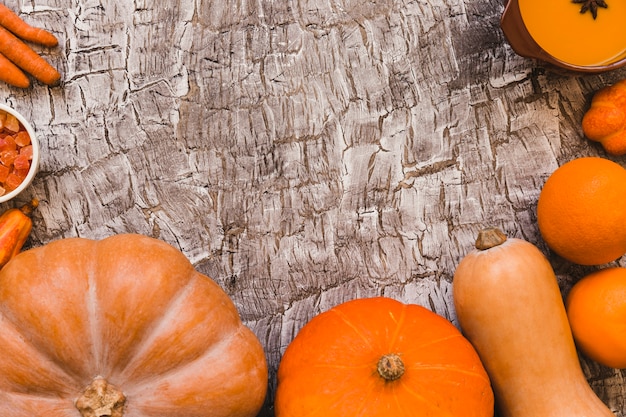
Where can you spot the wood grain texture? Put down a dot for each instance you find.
(302, 152)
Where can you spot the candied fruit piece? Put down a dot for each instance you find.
(7, 157)
(11, 123)
(22, 138)
(22, 173)
(13, 181)
(27, 151)
(7, 143)
(4, 173)
(21, 162)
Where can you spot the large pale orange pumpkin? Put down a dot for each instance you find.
(123, 326)
(377, 357)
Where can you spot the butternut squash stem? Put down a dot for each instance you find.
(390, 367)
(101, 399)
(489, 238)
(28, 208)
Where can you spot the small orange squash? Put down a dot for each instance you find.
(377, 357)
(510, 307)
(123, 326)
(605, 120)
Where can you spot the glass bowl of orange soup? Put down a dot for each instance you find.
(19, 153)
(585, 36)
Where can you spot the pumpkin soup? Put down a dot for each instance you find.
(583, 33)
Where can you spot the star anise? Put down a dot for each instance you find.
(591, 5)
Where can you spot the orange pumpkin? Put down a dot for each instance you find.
(378, 357)
(605, 120)
(123, 326)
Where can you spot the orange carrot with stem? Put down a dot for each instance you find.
(11, 74)
(27, 59)
(23, 30)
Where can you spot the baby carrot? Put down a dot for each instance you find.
(23, 30)
(27, 59)
(11, 74)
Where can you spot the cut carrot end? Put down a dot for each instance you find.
(11, 74)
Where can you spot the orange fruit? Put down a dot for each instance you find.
(581, 211)
(596, 309)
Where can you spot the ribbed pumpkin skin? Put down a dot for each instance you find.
(133, 310)
(330, 368)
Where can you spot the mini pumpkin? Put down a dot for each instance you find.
(377, 357)
(124, 326)
(605, 120)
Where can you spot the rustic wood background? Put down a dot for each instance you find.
(302, 152)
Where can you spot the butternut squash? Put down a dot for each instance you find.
(509, 305)
(15, 228)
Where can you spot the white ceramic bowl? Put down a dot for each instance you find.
(34, 166)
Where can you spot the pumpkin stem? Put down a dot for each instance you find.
(489, 238)
(390, 367)
(101, 399)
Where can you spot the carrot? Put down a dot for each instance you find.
(11, 74)
(23, 30)
(27, 59)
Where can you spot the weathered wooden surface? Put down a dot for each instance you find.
(302, 153)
